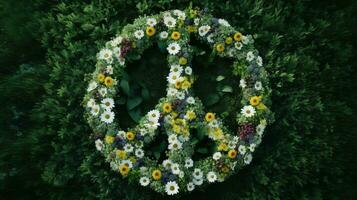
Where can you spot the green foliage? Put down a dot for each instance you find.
(307, 50)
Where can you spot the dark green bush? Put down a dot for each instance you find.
(306, 153)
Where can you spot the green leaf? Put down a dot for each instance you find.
(227, 88)
(124, 84)
(220, 77)
(121, 100)
(145, 94)
(133, 102)
(135, 114)
(211, 99)
(202, 150)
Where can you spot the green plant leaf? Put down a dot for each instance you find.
(135, 114)
(220, 77)
(145, 93)
(227, 88)
(133, 102)
(211, 99)
(124, 84)
(202, 150)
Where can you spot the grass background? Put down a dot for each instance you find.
(47, 48)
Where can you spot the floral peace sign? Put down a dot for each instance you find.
(178, 112)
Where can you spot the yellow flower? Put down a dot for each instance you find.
(101, 77)
(223, 147)
(124, 169)
(132, 159)
(176, 128)
(121, 154)
(167, 107)
(175, 35)
(186, 84)
(229, 40)
(192, 29)
(182, 61)
(255, 100)
(156, 174)
(261, 106)
(209, 117)
(130, 136)
(225, 169)
(237, 36)
(150, 31)
(191, 115)
(108, 81)
(193, 13)
(109, 139)
(232, 153)
(178, 84)
(220, 47)
(218, 134)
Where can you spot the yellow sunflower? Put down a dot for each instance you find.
(150, 31)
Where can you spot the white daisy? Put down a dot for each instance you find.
(164, 35)
(91, 103)
(190, 186)
(143, 169)
(107, 117)
(172, 138)
(242, 83)
(116, 41)
(223, 22)
(95, 110)
(188, 70)
(153, 115)
(169, 21)
(197, 173)
(181, 174)
(103, 91)
(196, 21)
(248, 111)
(167, 163)
(128, 148)
(258, 85)
(260, 129)
(188, 163)
(117, 52)
(175, 145)
(259, 61)
(211, 177)
(173, 48)
(139, 34)
(92, 85)
(232, 144)
(128, 163)
(105, 54)
(242, 149)
(109, 69)
(245, 39)
(178, 13)
(171, 188)
(152, 126)
(248, 158)
(173, 77)
(203, 30)
(139, 153)
(121, 61)
(171, 92)
(250, 56)
(107, 103)
(252, 147)
(143, 131)
(210, 38)
(190, 100)
(217, 156)
(139, 144)
(176, 68)
(180, 95)
(175, 168)
(238, 45)
(198, 181)
(151, 22)
(121, 134)
(144, 181)
(99, 144)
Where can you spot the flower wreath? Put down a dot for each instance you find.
(179, 111)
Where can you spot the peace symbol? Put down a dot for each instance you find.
(180, 111)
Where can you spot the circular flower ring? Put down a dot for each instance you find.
(178, 112)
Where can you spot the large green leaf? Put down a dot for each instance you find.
(124, 84)
(133, 102)
(135, 114)
(211, 99)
